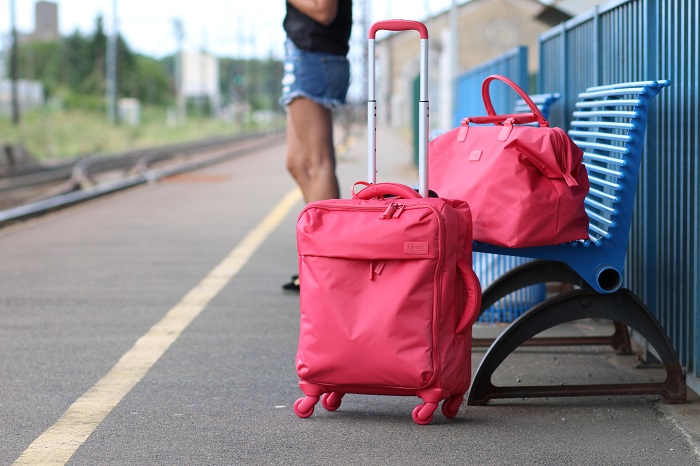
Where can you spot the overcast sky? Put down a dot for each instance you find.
(232, 28)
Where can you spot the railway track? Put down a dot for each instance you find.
(54, 187)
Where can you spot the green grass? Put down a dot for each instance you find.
(50, 134)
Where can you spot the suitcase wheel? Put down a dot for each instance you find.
(304, 406)
(450, 407)
(423, 414)
(331, 401)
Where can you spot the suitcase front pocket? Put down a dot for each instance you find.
(367, 322)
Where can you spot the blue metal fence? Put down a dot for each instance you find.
(621, 41)
(634, 40)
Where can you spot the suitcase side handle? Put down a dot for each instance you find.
(473, 304)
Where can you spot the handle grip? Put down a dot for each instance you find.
(398, 25)
(526, 98)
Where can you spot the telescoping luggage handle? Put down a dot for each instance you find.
(423, 104)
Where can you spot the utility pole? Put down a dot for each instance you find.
(203, 84)
(179, 96)
(14, 66)
(365, 7)
(454, 62)
(111, 87)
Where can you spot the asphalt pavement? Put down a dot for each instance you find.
(148, 327)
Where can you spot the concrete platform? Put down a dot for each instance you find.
(148, 327)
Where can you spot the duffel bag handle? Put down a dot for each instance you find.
(536, 113)
(473, 304)
(381, 190)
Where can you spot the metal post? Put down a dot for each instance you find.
(14, 67)
(423, 122)
(179, 97)
(371, 116)
(454, 63)
(111, 85)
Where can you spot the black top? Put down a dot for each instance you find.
(308, 34)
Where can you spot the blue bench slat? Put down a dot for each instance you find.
(598, 135)
(600, 219)
(603, 233)
(603, 170)
(600, 206)
(603, 147)
(604, 159)
(638, 85)
(611, 92)
(603, 124)
(608, 196)
(608, 103)
(604, 114)
(606, 183)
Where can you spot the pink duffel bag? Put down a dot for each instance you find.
(526, 185)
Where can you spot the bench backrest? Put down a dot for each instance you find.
(609, 125)
(543, 101)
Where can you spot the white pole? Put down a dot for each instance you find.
(111, 87)
(454, 62)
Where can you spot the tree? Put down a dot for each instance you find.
(256, 81)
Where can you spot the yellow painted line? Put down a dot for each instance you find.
(60, 441)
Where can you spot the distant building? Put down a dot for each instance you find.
(45, 22)
(30, 94)
(200, 77)
(485, 29)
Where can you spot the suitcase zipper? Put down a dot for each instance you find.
(394, 209)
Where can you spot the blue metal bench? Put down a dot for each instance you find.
(543, 101)
(609, 125)
(488, 267)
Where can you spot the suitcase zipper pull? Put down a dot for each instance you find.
(375, 268)
(394, 210)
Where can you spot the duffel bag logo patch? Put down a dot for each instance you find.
(475, 156)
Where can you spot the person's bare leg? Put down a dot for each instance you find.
(310, 151)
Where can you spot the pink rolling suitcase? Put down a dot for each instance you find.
(388, 295)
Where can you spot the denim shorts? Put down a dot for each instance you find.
(321, 77)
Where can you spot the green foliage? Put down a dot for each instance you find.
(76, 65)
(72, 70)
(77, 101)
(148, 82)
(257, 82)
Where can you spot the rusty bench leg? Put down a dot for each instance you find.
(622, 306)
(543, 271)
